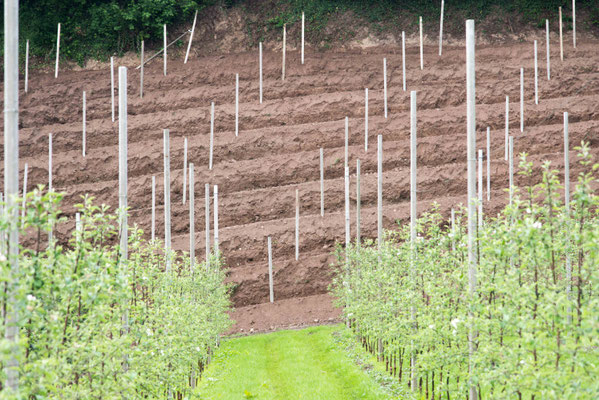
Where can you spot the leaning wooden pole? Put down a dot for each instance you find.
(11, 184)
(471, 157)
(123, 160)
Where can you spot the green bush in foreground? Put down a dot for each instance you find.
(94, 326)
(538, 332)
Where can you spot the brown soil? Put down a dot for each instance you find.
(278, 145)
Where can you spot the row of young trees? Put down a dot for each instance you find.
(536, 312)
(93, 325)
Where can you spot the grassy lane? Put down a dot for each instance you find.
(314, 363)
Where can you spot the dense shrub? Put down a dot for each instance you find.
(95, 326)
(537, 331)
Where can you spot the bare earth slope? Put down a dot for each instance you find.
(277, 149)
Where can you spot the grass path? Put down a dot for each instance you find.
(311, 363)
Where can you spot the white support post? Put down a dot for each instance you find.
(211, 135)
(574, 22)
(270, 280)
(112, 86)
(141, 73)
(321, 182)
(216, 236)
(297, 212)
(193, 28)
(385, 85)
(153, 229)
(50, 189)
(480, 189)
(207, 220)
(167, 198)
(358, 203)
(192, 227)
(83, 127)
(346, 141)
(548, 53)
(366, 119)
(567, 205)
(184, 169)
(403, 59)
(453, 229)
(536, 75)
(441, 29)
(421, 46)
(303, 29)
(284, 50)
(260, 68)
(521, 99)
(165, 46)
(561, 36)
(379, 195)
(23, 203)
(488, 163)
(57, 52)
(11, 189)
(27, 66)
(507, 125)
(511, 169)
(471, 157)
(77, 223)
(236, 104)
(347, 212)
(413, 219)
(123, 161)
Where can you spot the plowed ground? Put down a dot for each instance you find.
(277, 149)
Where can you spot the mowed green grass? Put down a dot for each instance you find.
(303, 364)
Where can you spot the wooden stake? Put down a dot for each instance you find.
(471, 157)
(184, 169)
(536, 75)
(561, 36)
(511, 168)
(49, 162)
(57, 52)
(488, 163)
(192, 228)
(574, 22)
(112, 86)
(284, 50)
(270, 280)
(321, 182)
(236, 104)
(297, 211)
(548, 53)
(167, 198)
(207, 219)
(413, 218)
(441, 28)
(260, 81)
(123, 160)
(403, 59)
(421, 47)
(27, 66)
(165, 46)
(193, 28)
(153, 207)
(77, 223)
(567, 206)
(141, 74)
(358, 203)
(303, 26)
(385, 84)
(521, 99)
(366, 119)
(216, 250)
(211, 135)
(453, 229)
(83, 128)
